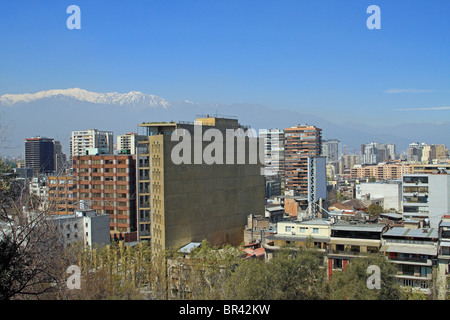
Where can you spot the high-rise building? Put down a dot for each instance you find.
(194, 200)
(347, 162)
(331, 149)
(415, 152)
(426, 196)
(373, 153)
(107, 184)
(82, 141)
(40, 154)
(273, 151)
(60, 158)
(301, 142)
(428, 153)
(127, 143)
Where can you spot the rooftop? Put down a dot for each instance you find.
(412, 233)
(344, 225)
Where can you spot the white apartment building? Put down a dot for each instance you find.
(390, 192)
(81, 141)
(127, 143)
(426, 196)
(86, 226)
(273, 151)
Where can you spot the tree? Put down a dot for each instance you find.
(374, 209)
(351, 284)
(293, 274)
(29, 243)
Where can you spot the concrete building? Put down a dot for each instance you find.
(301, 141)
(381, 171)
(314, 232)
(38, 187)
(389, 191)
(444, 257)
(373, 153)
(426, 196)
(317, 184)
(347, 162)
(273, 151)
(424, 168)
(332, 150)
(83, 140)
(415, 152)
(414, 251)
(273, 186)
(85, 226)
(257, 229)
(352, 239)
(127, 143)
(192, 201)
(60, 158)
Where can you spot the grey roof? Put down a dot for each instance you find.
(288, 237)
(317, 221)
(391, 215)
(189, 247)
(428, 250)
(358, 226)
(415, 233)
(444, 224)
(277, 208)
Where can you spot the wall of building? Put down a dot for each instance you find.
(193, 202)
(390, 192)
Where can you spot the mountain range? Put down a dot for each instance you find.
(56, 113)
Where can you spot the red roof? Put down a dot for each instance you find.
(255, 252)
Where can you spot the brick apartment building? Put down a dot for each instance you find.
(107, 184)
(300, 142)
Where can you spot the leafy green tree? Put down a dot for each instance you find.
(351, 284)
(293, 274)
(374, 209)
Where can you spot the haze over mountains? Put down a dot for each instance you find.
(56, 113)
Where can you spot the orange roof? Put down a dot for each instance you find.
(255, 252)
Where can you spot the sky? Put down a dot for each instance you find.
(316, 57)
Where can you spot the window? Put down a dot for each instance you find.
(288, 228)
(302, 230)
(315, 230)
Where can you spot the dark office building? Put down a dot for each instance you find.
(40, 154)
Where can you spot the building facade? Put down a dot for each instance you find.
(107, 184)
(301, 142)
(82, 141)
(426, 196)
(40, 154)
(191, 202)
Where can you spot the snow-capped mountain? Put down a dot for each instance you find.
(114, 98)
(55, 113)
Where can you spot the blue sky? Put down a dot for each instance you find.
(312, 56)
